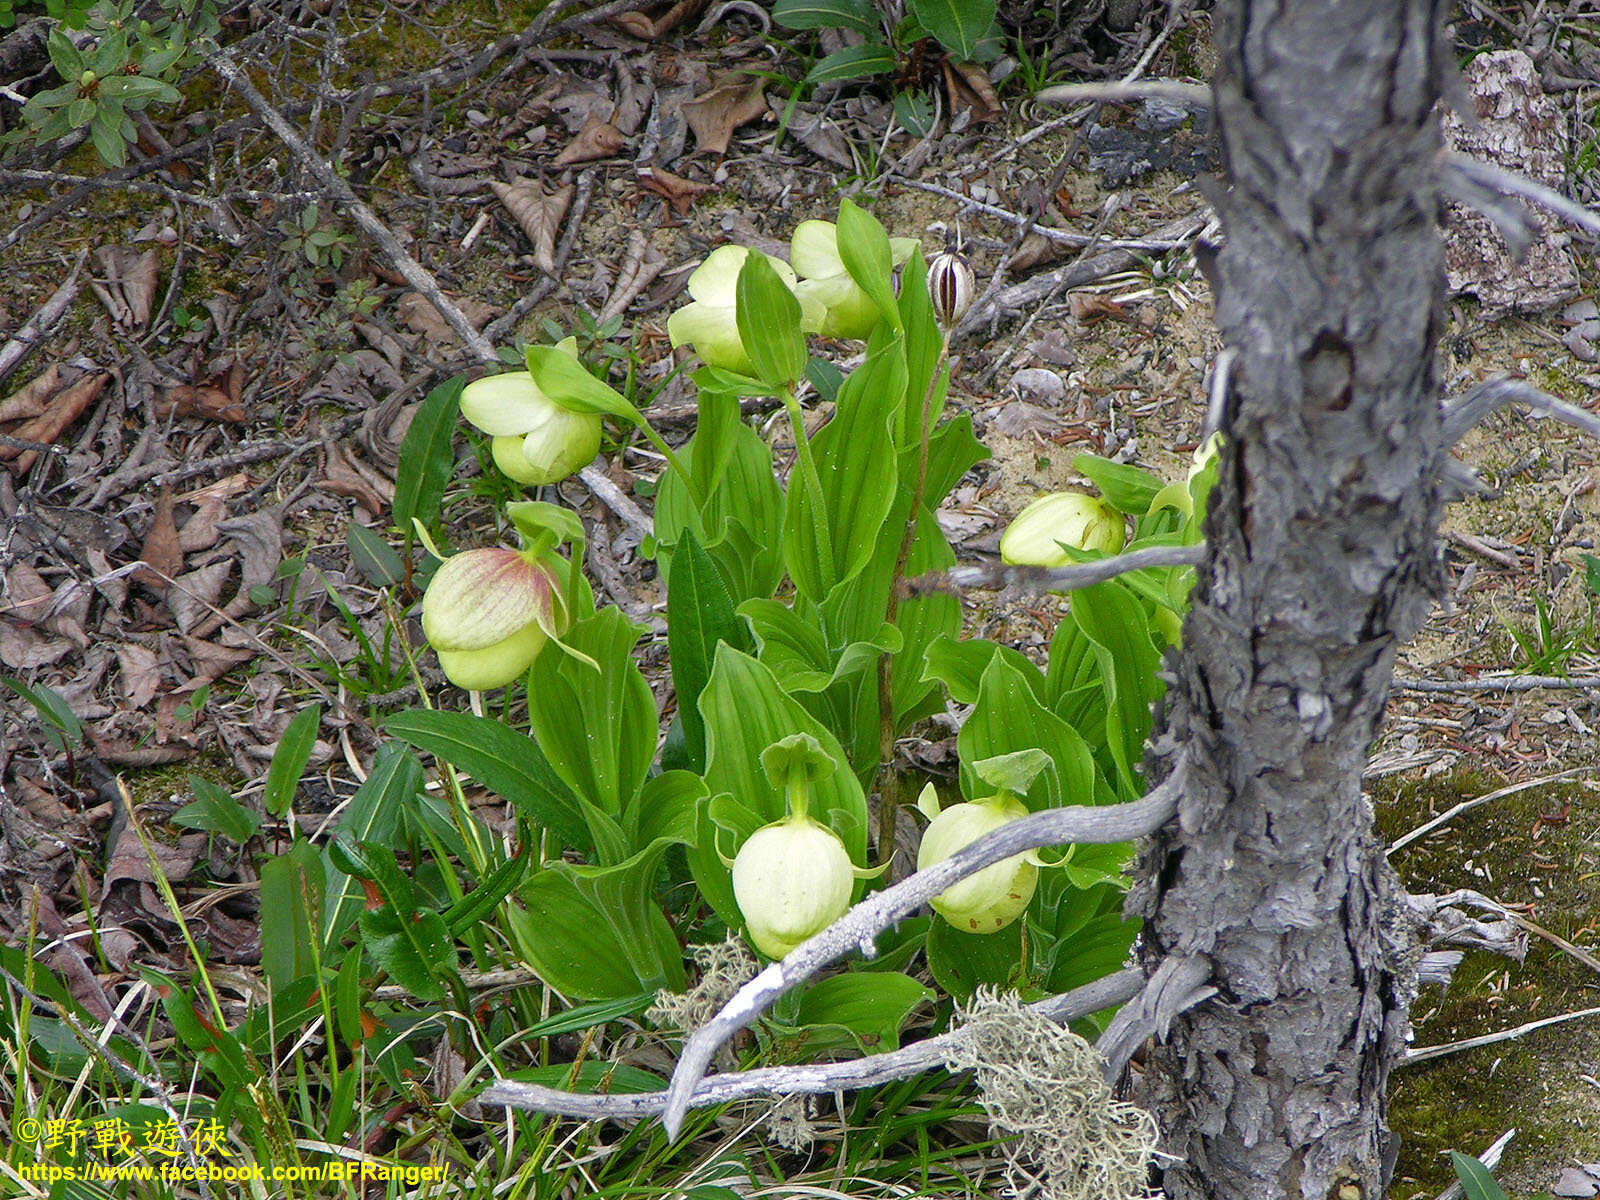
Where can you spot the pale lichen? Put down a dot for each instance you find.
(1064, 1136)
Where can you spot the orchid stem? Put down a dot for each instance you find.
(673, 461)
(808, 467)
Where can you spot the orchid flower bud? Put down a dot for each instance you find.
(1035, 537)
(711, 321)
(536, 439)
(846, 310)
(792, 880)
(996, 895)
(951, 287)
(487, 613)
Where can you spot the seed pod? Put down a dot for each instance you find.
(951, 286)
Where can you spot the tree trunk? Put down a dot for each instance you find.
(1322, 559)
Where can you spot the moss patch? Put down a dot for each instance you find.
(1531, 851)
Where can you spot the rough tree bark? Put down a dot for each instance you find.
(1323, 558)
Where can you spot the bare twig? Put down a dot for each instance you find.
(809, 1078)
(1054, 579)
(1066, 237)
(1450, 814)
(1424, 1053)
(1472, 407)
(415, 274)
(1191, 95)
(1486, 175)
(1503, 684)
(859, 926)
(223, 64)
(37, 327)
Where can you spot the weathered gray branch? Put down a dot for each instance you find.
(859, 926)
(37, 327)
(1173, 91)
(1477, 174)
(1472, 407)
(1178, 984)
(1056, 579)
(809, 1078)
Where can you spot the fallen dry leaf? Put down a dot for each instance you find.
(968, 86)
(192, 597)
(1035, 251)
(199, 532)
(129, 288)
(647, 28)
(538, 212)
(140, 674)
(345, 476)
(1090, 306)
(714, 116)
(596, 140)
(129, 860)
(29, 400)
(675, 189)
(416, 312)
(205, 402)
(162, 550)
(66, 406)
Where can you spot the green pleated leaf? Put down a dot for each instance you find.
(700, 615)
(858, 15)
(427, 457)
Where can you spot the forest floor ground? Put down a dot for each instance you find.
(244, 407)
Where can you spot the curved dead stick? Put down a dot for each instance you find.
(858, 927)
(810, 1078)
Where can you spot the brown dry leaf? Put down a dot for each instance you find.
(206, 402)
(193, 596)
(596, 140)
(29, 400)
(714, 116)
(200, 532)
(344, 476)
(66, 406)
(538, 213)
(259, 537)
(416, 313)
(140, 673)
(162, 550)
(1089, 306)
(129, 288)
(675, 189)
(647, 28)
(211, 661)
(1035, 251)
(968, 86)
(129, 861)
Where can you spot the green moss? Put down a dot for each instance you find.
(1510, 851)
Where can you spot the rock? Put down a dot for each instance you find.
(1522, 130)
(1576, 1183)
(1039, 385)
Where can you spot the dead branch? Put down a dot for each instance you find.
(1173, 91)
(37, 327)
(1502, 684)
(1489, 1158)
(1470, 409)
(858, 927)
(1054, 579)
(807, 1078)
(1424, 1053)
(1178, 984)
(1450, 814)
(1481, 175)
(415, 274)
(1154, 245)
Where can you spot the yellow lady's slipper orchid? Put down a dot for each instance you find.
(996, 895)
(846, 310)
(487, 614)
(711, 321)
(536, 439)
(1061, 517)
(792, 880)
